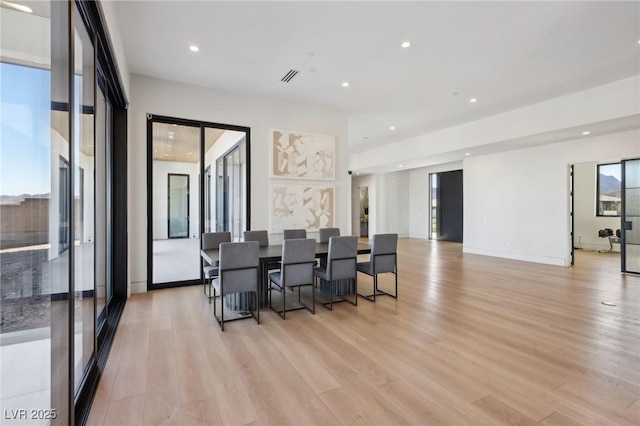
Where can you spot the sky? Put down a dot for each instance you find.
(25, 130)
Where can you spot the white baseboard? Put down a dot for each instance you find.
(138, 287)
(547, 260)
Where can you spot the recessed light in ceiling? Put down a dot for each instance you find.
(392, 127)
(345, 84)
(17, 6)
(358, 173)
(194, 48)
(405, 44)
(467, 153)
(473, 100)
(400, 165)
(586, 133)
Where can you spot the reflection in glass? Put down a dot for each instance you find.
(34, 212)
(632, 215)
(101, 206)
(84, 199)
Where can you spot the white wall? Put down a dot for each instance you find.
(173, 99)
(516, 203)
(586, 223)
(161, 171)
(419, 209)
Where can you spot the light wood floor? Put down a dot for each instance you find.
(471, 340)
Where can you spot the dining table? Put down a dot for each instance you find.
(268, 255)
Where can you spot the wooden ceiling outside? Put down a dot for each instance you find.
(173, 142)
(170, 142)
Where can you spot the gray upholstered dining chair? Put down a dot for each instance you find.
(296, 270)
(290, 234)
(260, 236)
(326, 233)
(238, 273)
(341, 265)
(384, 259)
(211, 241)
(263, 238)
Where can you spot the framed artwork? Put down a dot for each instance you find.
(297, 155)
(296, 206)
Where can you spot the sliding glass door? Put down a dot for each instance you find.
(184, 193)
(631, 216)
(55, 244)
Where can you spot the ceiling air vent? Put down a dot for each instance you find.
(289, 76)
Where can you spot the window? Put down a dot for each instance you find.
(609, 190)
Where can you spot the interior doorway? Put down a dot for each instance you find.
(363, 197)
(596, 208)
(446, 195)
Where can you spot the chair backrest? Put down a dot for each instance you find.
(326, 233)
(239, 266)
(342, 257)
(298, 260)
(211, 240)
(260, 236)
(290, 234)
(383, 253)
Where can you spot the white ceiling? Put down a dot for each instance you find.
(505, 54)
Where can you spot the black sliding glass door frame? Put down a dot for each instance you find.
(204, 218)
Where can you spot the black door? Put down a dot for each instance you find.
(450, 200)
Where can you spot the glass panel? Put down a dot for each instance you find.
(178, 206)
(221, 190)
(434, 205)
(101, 207)
(609, 190)
(211, 152)
(109, 202)
(176, 226)
(34, 170)
(83, 199)
(632, 216)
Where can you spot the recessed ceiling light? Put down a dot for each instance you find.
(467, 153)
(400, 165)
(405, 44)
(392, 127)
(473, 100)
(586, 133)
(345, 84)
(17, 6)
(194, 48)
(358, 173)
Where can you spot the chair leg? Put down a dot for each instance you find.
(257, 316)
